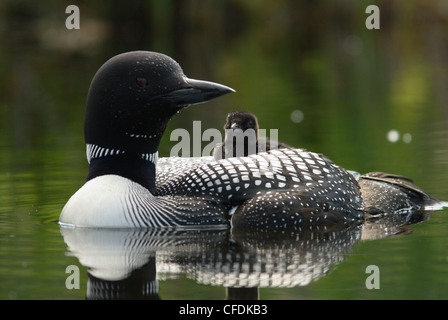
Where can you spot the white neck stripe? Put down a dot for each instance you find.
(94, 151)
(152, 157)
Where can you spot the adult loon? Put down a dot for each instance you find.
(130, 101)
(241, 137)
(382, 192)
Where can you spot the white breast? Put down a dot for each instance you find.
(103, 202)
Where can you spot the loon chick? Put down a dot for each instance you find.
(130, 101)
(241, 137)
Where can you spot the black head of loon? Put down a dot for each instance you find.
(131, 99)
(241, 137)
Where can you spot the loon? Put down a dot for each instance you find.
(382, 192)
(385, 192)
(130, 101)
(241, 137)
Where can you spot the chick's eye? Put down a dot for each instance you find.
(141, 82)
(251, 123)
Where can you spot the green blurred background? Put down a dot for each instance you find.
(309, 68)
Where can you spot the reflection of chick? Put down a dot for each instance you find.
(241, 137)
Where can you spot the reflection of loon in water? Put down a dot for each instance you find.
(132, 264)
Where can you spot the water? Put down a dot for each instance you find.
(35, 250)
(370, 100)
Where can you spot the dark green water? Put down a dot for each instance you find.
(285, 59)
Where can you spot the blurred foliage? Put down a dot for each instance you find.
(352, 84)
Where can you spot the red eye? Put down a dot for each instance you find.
(141, 82)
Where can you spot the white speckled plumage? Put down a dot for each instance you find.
(310, 186)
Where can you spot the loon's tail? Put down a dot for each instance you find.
(384, 192)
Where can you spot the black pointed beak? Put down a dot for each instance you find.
(196, 91)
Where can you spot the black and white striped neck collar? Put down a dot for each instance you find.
(94, 151)
(140, 168)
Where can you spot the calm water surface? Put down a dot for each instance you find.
(371, 100)
(331, 264)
